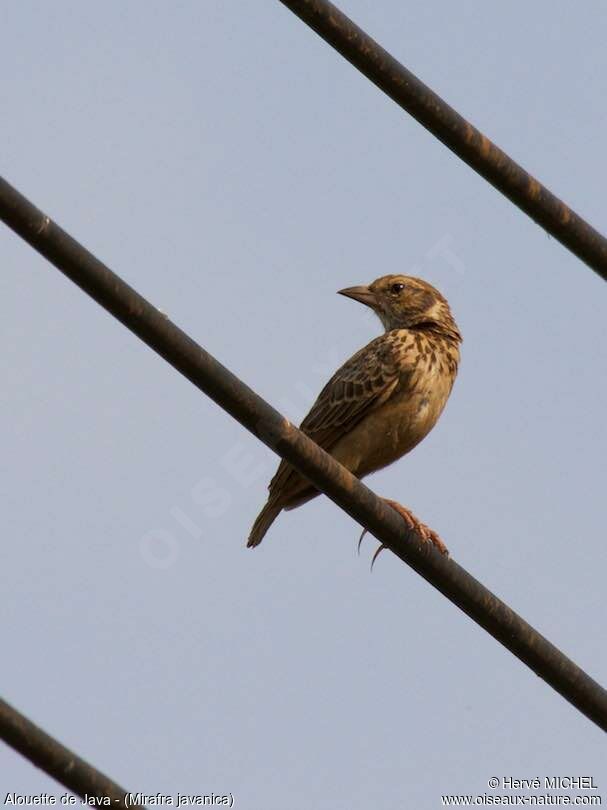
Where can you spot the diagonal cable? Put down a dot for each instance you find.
(454, 131)
(191, 360)
(56, 760)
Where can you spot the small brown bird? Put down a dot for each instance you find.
(385, 399)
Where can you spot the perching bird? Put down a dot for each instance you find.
(385, 399)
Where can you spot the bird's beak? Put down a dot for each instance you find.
(362, 294)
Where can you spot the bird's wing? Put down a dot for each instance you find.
(363, 383)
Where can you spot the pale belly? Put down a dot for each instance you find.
(394, 429)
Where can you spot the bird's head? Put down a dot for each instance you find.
(406, 302)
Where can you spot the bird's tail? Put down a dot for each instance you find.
(265, 518)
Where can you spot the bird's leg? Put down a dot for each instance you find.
(413, 523)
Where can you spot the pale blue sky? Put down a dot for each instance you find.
(237, 171)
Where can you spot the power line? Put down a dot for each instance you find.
(185, 355)
(454, 131)
(55, 759)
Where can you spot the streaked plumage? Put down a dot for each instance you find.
(386, 398)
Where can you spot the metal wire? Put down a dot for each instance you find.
(185, 355)
(57, 760)
(454, 131)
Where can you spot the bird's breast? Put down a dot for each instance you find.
(399, 424)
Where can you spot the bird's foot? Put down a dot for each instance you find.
(414, 524)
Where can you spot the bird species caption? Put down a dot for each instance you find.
(129, 800)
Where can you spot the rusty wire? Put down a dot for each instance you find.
(56, 760)
(185, 355)
(454, 131)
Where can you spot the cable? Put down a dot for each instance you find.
(185, 355)
(454, 131)
(56, 760)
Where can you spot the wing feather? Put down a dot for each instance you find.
(365, 381)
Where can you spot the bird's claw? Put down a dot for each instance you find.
(414, 524)
(376, 555)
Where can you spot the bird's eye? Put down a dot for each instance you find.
(396, 289)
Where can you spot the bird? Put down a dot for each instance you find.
(384, 400)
